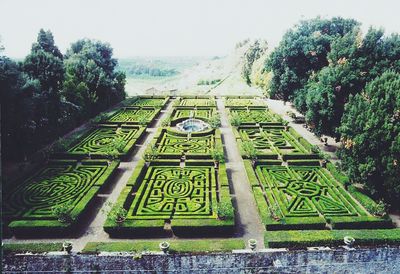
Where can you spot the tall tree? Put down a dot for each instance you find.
(302, 52)
(370, 132)
(353, 62)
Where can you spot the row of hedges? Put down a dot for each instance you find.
(312, 238)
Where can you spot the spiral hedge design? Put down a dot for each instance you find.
(104, 139)
(178, 143)
(133, 115)
(304, 192)
(59, 183)
(174, 192)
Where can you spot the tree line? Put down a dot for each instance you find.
(49, 93)
(347, 85)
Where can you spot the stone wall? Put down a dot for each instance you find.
(365, 260)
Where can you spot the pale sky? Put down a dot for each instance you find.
(175, 27)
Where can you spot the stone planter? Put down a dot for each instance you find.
(164, 246)
(67, 246)
(349, 241)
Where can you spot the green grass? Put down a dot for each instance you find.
(176, 246)
(304, 238)
(32, 247)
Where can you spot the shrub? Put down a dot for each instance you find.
(217, 155)
(236, 120)
(215, 121)
(225, 210)
(249, 150)
(150, 154)
(63, 212)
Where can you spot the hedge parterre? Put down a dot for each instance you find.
(254, 115)
(133, 115)
(29, 206)
(181, 113)
(186, 197)
(197, 102)
(235, 102)
(173, 144)
(275, 140)
(150, 102)
(104, 138)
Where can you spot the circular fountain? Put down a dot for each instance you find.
(192, 125)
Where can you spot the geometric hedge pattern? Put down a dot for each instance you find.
(243, 102)
(254, 115)
(205, 113)
(271, 139)
(172, 192)
(304, 192)
(132, 115)
(60, 182)
(178, 143)
(149, 102)
(197, 102)
(102, 139)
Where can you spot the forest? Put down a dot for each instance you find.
(48, 93)
(347, 85)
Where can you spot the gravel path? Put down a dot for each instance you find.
(248, 221)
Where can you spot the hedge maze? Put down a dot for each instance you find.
(181, 191)
(73, 180)
(188, 102)
(29, 206)
(134, 115)
(275, 140)
(106, 138)
(150, 102)
(181, 113)
(172, 144)
(186, 197)
(241, 102)
(254, 115)
(294, 188)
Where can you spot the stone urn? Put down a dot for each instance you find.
(67, 246)
(164, 246)
(349, 241)
(252, 244)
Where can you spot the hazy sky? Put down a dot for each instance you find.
(175, 27)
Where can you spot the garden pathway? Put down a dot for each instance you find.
(248, 221)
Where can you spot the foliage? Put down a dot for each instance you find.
(225, 210)
(370, 131)
(31, 247)
(63, 212)
(302, 52)
(151, 153)
(252, 54)
(235, 120)
(217, 154)
(249, 150)
(215, 121)
(117, 213)
(353, 62)
(48, 94)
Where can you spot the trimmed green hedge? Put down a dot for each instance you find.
(31, 247)
(29, 213)
(176, 246)
(308, 238)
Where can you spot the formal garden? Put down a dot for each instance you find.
(180, 187)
